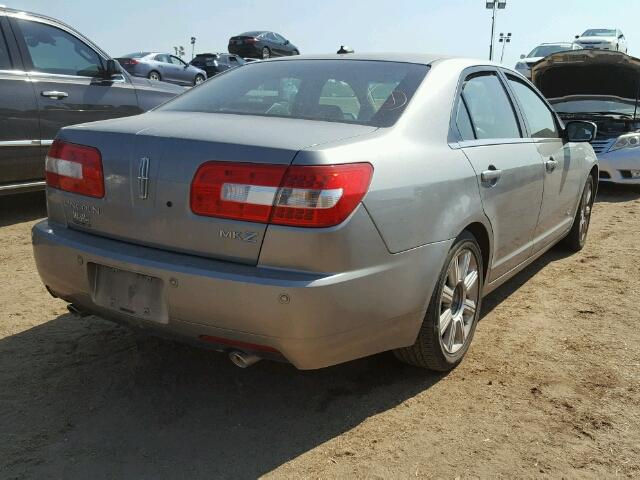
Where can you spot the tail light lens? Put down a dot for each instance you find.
(75, 168)
(131, 61)
(302, 196)
(251, 41)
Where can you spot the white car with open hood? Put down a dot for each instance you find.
(601, 87)
(543, 50)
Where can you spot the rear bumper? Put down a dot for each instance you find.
(251, 51)
(327, 319)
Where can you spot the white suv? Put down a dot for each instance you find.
(603, 39)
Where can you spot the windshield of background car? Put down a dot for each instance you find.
(365, 92)
(605, 105)
(599, 32)
(545, 50)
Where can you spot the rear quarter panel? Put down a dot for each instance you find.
(423, 190)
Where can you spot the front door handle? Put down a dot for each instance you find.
(550, 165)
(54, 94)
(490, 177)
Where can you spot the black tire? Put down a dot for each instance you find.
(428, 350)
(296, 52)
(198, 77)
(577, 236)
(154, 73)
(266, 53)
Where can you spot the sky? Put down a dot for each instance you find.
(452, 27)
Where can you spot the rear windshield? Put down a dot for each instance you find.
(371, 93)
(136, 55)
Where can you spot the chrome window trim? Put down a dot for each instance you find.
(25, 143)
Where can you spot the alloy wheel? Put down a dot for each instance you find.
(199, 79)
(585, 210)
(458, 301)
(266, 53)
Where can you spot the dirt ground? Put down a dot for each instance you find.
(550, 388)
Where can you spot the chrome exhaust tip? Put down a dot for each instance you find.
(242, 359)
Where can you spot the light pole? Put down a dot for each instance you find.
(193, 46)
(504, 40)
(494, 5)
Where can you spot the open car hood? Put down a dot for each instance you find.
(583, 73)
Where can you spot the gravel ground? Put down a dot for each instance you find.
(550, 388)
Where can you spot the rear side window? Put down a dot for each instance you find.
(541, 121)
(53, 50)
(463, 122)
(490, 109)
(5, 60)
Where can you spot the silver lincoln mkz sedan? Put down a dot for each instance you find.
(317, 209)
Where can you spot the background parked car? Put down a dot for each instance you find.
(541, 51)
(600, 87)
(603, 39)
(52, 76)
(214, 63)
(261, 44)
(162, 67)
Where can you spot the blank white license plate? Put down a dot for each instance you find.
(131, 293)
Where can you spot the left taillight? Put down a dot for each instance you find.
(300, 196)
(75, 168)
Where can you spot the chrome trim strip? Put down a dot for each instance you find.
(20, 143)
(46, 143)
(20, 186)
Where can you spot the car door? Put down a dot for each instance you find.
(21, 159)
(181, 73)
(563, 169)
(165, 67)
(67, 76)
(507, 165)
(274, 45)
(281, 44)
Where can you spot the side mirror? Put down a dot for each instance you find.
(577, 36)
(523, 56)
(580, 131)
(113, 68)
(286, 42)
(620, 36)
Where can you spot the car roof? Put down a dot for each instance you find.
(420, 58)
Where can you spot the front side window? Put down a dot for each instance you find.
(177, 61)
(53, 50)
(351, 91)
(162, 58)
(541, 121)
(489, 107)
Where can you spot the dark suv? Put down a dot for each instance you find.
(214, 63)
(52, 76)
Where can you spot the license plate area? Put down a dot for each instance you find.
(129, 293)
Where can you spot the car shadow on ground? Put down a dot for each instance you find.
(84, 398)
(22, 208)
(617, 193)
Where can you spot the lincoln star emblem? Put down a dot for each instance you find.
(143, 178)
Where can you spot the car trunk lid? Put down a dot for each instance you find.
(149, 163)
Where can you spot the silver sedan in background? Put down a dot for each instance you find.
(317, 209)
(162, 67)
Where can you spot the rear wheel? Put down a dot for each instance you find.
(577, 236)
(266, 53)
(199, 79)
(153, 75)
(453, 312)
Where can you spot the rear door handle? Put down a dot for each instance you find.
(550, 165)
(54, 94)
(490, 177)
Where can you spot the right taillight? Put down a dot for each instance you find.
(303, 196)
(75, 168)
